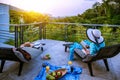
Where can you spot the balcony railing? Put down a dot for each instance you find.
(59, 31)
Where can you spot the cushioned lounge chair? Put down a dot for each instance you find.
(8, 54)
(103, 54)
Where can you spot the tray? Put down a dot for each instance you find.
(62, 71)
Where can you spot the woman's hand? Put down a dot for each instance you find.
(87, 51)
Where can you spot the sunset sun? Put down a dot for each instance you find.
(37, 5)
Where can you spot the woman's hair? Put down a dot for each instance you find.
(27, 44)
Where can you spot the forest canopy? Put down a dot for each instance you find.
(107, 12)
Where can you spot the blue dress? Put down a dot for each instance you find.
(94, 48)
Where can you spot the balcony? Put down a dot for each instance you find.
(55, 35)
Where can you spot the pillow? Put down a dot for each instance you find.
(19, 55)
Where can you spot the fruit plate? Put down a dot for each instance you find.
(58, 73)
(63, 71)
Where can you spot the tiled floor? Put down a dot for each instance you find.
(59, 57)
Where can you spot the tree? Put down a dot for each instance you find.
(97, 9)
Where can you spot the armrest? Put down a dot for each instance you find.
(67, 45)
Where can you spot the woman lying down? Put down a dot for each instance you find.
(8, 53)
(24, 53)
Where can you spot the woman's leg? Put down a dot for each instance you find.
(75, 45)
(71, 57)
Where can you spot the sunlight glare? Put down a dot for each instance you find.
(37, 5)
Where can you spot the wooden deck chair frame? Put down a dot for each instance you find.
(103, 54)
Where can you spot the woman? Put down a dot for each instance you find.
(94, 44)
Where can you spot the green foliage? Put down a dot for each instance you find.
(10, 41)
(31, 33)
(14, 17)
(55, 32)
(106, 32)
(116, 19)
(28, 17)
(102, 13)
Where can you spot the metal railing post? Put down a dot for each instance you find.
(66, 33)
(40, 31)
(21, 34)
(16, 36)
(44, 30)
(22, 37)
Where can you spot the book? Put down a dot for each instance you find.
(84, 44)
(85, 47)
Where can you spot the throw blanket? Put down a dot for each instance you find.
(70, 75)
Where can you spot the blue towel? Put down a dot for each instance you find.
(70, 75)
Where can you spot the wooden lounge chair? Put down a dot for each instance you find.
(8, 54)
(103, 54)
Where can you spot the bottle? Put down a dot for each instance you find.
(70, 64)
(47, 69)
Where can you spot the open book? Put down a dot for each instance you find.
(85, 46)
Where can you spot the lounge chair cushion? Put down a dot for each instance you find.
(32, 52)
(19, 55)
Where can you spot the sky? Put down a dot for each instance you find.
(56, 8)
